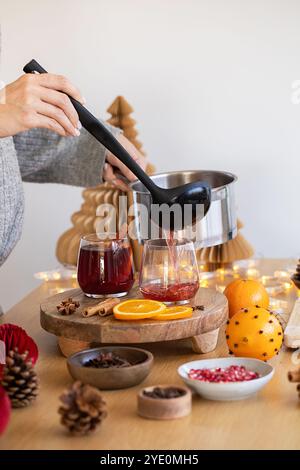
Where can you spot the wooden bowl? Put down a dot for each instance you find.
(164, 408)
(111, 378)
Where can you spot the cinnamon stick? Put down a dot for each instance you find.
(294, 375)
(103, 308)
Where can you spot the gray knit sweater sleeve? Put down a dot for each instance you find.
(42, 156)
(45, 157)
(11, 199)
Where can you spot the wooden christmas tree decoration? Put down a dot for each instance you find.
(225, 254)
(120, 111)
(85, 220)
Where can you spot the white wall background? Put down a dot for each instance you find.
(210, 81)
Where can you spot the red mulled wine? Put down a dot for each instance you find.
(171, 293)
(169, 270)
(105, 268)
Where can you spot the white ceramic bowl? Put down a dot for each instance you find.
(230, 390)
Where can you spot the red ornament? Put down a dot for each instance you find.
(5, 408)
(15, 337)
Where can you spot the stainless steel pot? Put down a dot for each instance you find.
(219, 225)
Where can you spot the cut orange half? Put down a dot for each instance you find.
(138, 309)
(174, 313)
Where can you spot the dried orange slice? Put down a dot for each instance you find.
(174, 313)
(138, 309)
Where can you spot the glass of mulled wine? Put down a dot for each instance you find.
(104, 266)
(169, 271)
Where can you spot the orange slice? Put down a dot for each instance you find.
(174, 313)
(138, 309)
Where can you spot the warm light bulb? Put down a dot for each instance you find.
(252, 273)
(282, 274)
(287, 285)
(221, 288)
(56, 275)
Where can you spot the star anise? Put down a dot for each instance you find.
(68, 306)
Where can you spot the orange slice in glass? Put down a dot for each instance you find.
(138, 309)
(174, 313)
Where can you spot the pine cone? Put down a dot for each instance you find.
(19, 379)
(68, 306)
(82, 409)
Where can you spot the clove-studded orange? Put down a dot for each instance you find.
(244, 292)
(254, 332)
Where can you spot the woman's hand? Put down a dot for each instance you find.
(39, 101)
(113, 166)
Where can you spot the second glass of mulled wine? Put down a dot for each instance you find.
(104, 266)
(169, 271)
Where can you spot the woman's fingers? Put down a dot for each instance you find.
(59, 116)
(110, 176)
(60, 100)
(110, 158)
(114, 161)
(108, 173)
(134, 153)
(39, 120)
(54, 90)
(60, 83)
(35, 100)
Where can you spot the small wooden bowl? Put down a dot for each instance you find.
(164, 408)
(111, 378)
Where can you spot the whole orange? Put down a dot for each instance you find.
(254, 332)
(244, 292)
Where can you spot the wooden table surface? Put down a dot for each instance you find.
(270, 420)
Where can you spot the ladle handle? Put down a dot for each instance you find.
(101, 133)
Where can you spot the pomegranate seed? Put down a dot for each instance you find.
(217, 375)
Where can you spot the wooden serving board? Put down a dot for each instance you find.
(202, 327)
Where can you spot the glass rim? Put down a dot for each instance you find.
(109, 236)
(156, 242)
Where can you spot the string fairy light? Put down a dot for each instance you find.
(278, 283)
(59, 274)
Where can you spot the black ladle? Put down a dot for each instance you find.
(194, 193)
